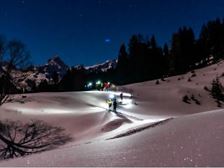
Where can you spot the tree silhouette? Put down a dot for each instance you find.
(74, 80)
(166, 58)
(217, 91)
(13, 54)
(212, 38)
(183, 50)
(18, 55)
(122, 65)
(18, 139)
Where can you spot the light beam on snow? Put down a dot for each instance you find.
(118, 94)
(127, 103)
(48, 111)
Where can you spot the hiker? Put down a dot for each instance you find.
(121, 96)
(109, 102)
(115, 105)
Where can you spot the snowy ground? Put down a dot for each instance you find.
(154, 128)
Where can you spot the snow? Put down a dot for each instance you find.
(109, 64)
(33, 78)
(174, 143)
(154, 128)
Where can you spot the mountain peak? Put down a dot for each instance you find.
(103, 67)
(55, 60)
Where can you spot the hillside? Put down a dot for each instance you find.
(154, 128)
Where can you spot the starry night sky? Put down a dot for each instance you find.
(91, 31)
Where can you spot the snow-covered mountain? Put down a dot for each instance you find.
(54, 65)
(54, 68)
(33, 77)
(103, 67)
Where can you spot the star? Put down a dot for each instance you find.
(107, 40)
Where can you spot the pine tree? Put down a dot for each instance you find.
(122, 65)
(217, 91)
(212, 39)
(183, 50)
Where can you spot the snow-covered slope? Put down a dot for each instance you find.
(154, 128)
(195, 140)
(103, 67)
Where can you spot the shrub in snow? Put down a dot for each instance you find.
(186, 99)
(24, 96)
(193, 71)
(193, 75)
(206, 88)
(217, 91)
(195, 100)
(157, 82)
(189, 80)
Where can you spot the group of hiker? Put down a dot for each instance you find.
(112, 103)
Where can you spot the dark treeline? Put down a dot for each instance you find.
(143, 59)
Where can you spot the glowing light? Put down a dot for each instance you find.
(90, 84)
(111, 96)
(98, 82)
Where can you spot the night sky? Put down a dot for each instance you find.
(91, 31)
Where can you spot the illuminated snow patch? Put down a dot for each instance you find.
(135, 125)
(128, 106)
(111, 96)
(57, 111)
(127, 103)
(118, 94)
(127, 94)
(48, 111)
